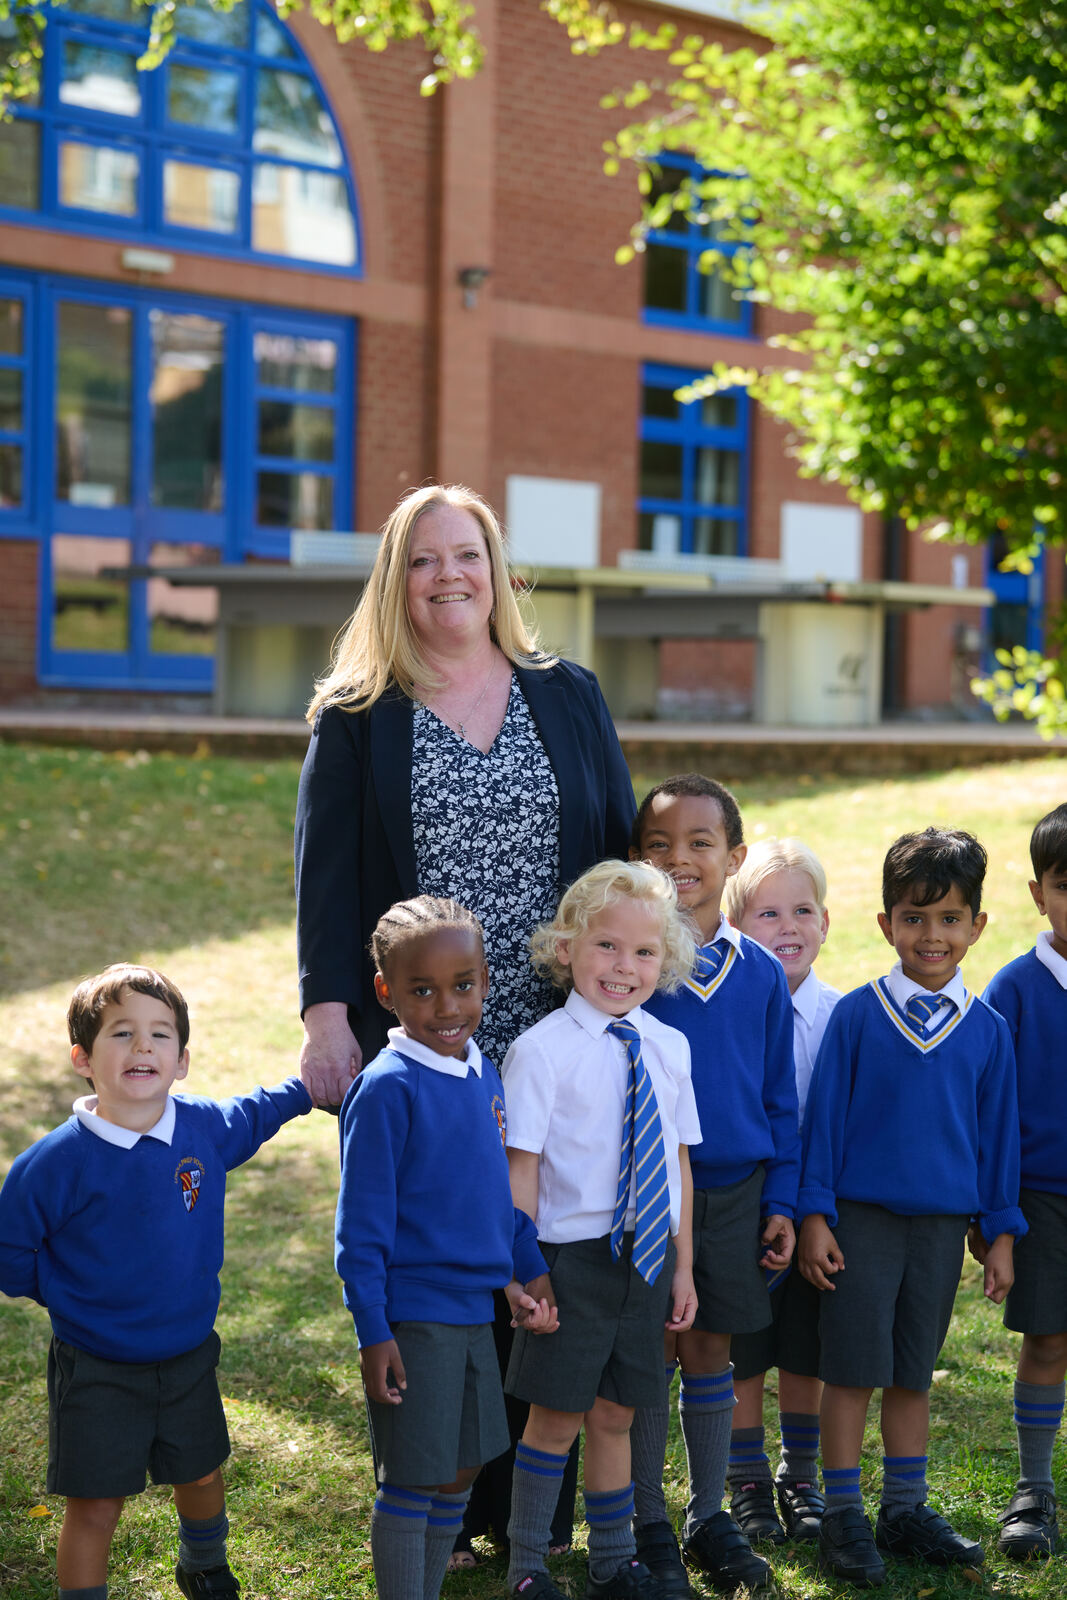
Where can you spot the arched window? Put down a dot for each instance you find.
(228, 147)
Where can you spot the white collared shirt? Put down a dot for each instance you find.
(902, 988)
(112, 1133)
(813, 1002)
(727, 931)
(1051, 958)
(451, 1066)
(565, 1084)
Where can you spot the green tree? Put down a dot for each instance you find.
(898, 170)
(442, 26)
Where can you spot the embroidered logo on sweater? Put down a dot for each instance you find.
(497, 1108)
(188, 1175)
(903, 1025)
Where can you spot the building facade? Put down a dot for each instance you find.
(269, 287)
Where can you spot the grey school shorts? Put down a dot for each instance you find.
(111, 1422)
(731, 1288)
(610, 1337)
(1037, 1300)
(791, 1339)
(885, 1320)
(452, 1414)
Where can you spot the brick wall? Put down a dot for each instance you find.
(18, 619)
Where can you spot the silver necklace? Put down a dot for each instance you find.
(462, 724)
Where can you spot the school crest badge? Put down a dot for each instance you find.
(501, 1119)
(189, 1175)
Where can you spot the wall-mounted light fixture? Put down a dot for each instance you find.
(470, 281)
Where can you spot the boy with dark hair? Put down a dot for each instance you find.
(911, 1131)
(114, 1222)
(735, 1011)
(1031, 995)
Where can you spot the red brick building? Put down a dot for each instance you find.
(246, 294)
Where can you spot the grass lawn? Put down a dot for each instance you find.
(186, 863)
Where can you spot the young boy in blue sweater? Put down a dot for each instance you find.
(426, 1231)
(1031, 995)
(114, 1222)
(911, 1131)
(600, 1111)
(735, 1011)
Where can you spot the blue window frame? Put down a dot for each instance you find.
(693, 497)
(1018, 616)
(16, 406)
(677, 293)
(229, 147)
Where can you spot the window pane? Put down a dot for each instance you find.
(284, 361)
(10, 327)
(657, 402)
(200, 197)
(95, 178)
(20, 164)
(302, 214)
(661, 470)
(100, 79)
(665, 277)
(1008, 626)
(716, 299)
(213, 27)
(203, 97)
(669, 181)
(292, 121)
(713, 536)
(181, 621)
(186, 396)
(93, 405)
(718, 477)
(305, 432)
(89, 611)
(10, 476)
(719, 411)
(294, 500)
(117, 10)
(660, 531)
(10, 399)
(271, 38)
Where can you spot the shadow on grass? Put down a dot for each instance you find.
(37, 1097)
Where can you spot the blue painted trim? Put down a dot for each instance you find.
(1017, 589)
(693, 242)
(692, 434)
(16, 521)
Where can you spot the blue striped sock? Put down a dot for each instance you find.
(202, 1543)
(748, 1458)
(903, 1482)
(398, 1541)
(800, 1446)
(705, 1407)
(611, 1537)
(443, 1523)
(534, 1491)
(841, 1485)
(1038, 1414)
(648, 1452)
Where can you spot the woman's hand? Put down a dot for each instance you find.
(330, 1057)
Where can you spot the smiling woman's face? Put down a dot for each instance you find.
(449, 579)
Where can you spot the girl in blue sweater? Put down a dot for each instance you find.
(426, 1231)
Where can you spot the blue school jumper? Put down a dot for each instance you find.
(124, 1245)
(1034, 1006)
(739, 1024)
(426, 1229)
(920, 1126)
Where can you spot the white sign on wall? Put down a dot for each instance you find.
(553, 522)
(822, 542)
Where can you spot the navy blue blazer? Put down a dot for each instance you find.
(355, 849)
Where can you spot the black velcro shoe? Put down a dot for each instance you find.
(719, 1550)
(633, 1581)
(537, 1586)
(847, 1548)
(217, 1583)
(925, 1534)
(1028, 1527)
(753, 1509)
(803, 1508)
(658, 1549)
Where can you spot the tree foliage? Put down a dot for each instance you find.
(442, 26)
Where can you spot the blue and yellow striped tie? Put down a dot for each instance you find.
(642, 1152)
(711, 957)
(923, 1010)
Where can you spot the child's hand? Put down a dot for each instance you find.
(779, 1241)
(533, 1308)
(375, 1361)
(820, 1254)
(976, 1243)
(683, 1307)
(999, 1268)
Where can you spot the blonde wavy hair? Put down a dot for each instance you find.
(592, 893)
(377, 648)
(764, 858)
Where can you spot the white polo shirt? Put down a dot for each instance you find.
(565, 1086)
